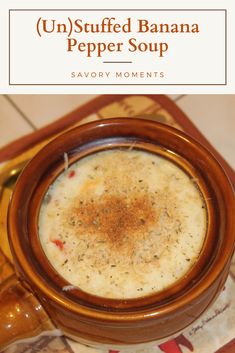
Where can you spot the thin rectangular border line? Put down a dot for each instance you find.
(120, 84)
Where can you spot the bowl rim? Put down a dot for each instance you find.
(143, 313)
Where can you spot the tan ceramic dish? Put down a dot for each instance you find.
(92, 319)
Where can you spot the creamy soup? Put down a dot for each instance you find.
(122, 224)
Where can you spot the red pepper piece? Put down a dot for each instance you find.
(71, 173)
(58, 243)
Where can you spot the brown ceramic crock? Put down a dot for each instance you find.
(36, 302)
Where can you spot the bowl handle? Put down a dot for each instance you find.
(21, 314)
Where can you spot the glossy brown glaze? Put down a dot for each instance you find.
(129, 321)
(22, 315)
